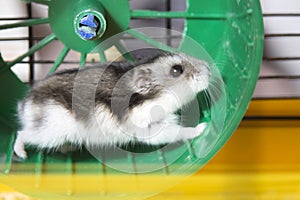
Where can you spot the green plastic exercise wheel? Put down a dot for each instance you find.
(228, 32)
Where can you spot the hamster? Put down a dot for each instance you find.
(112, 104)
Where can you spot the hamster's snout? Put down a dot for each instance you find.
(207, 67)
(201, 76)
(204, 68)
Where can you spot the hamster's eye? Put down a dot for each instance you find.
(176, 70)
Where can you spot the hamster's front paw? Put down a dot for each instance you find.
(200, 128)
(19, 148)
(20, 151)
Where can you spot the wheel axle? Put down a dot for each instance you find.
(90, 26)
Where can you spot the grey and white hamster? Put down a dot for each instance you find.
(112, 104)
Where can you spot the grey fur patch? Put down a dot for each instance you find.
(38, 119)
(79, 91)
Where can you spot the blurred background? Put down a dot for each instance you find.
(262, 159)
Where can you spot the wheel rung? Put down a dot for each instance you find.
(131, 159)
(39, 168)
(9, 155)
(162, 154)
(190, 150)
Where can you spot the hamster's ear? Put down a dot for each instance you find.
(143, 84)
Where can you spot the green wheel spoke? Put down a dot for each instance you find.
(147, 39)
(28, 22)
(125, 53)
(102, 56)
(33, 49)
(82, 59)
(175, 14)
(45, 2)
(59, 60)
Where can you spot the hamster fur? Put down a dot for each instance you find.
(112, 104)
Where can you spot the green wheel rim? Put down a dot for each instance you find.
(230, 31)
